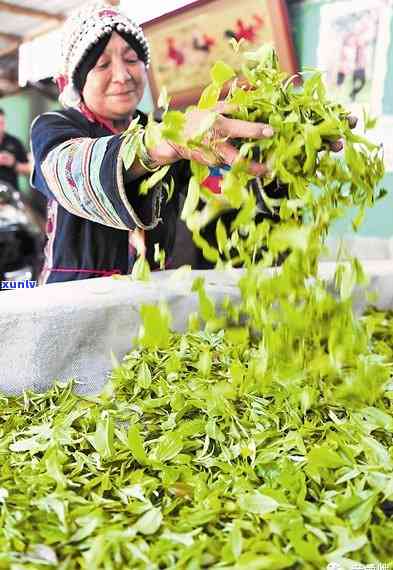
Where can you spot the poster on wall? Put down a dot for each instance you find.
(353, 52)
(353, 46)
(186, 43)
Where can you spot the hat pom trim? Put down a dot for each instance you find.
(70, 97)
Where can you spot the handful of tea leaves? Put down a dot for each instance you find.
(320, 184)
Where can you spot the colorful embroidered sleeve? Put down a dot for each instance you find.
(85, 175)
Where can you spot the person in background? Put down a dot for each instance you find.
(13, 157)
(97, 220)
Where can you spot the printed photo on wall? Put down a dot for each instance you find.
(353, 44)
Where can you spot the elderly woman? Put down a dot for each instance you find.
(96, 217)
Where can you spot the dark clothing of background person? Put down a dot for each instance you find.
(12, 145)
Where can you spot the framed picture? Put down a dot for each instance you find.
(186, 43)
(353, 47)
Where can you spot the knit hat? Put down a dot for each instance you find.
(82, 32)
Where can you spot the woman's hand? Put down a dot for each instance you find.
(7, 159)
(215, 147)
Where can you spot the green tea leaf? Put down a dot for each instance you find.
(149, 522)
(135, 444)
(103, 438)
(257, 503)
(210, 96)
(221, 72)
(192, 199)
(141, 270)
(155, 328)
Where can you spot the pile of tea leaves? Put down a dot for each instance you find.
(260, 438)
(208, 451)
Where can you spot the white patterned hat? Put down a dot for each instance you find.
(81, 31)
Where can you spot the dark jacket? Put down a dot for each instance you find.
(15, 147)
(91, 208)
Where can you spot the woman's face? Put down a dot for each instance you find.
(115, 85)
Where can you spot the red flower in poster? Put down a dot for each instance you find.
(174, 53)
(246, 32)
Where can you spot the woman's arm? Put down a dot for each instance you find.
(86, 175)
(214, 149)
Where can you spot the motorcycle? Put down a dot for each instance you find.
(21, 240)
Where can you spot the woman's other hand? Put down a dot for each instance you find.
(338, 144)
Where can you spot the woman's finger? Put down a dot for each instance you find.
(236, 128)
(352, 121)
(225, 108)
(336, 146)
